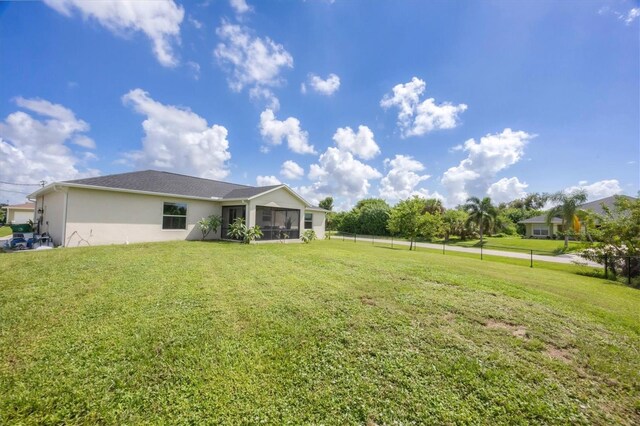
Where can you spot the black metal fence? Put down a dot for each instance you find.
(627, 267)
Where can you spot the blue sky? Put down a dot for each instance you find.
(350, 98)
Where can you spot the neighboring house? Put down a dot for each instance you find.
(537, 227)
(152, 206)
(19, 213)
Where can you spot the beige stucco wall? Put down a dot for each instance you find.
(108, 217)
(278, 198)
(53, 206)
(529, 227)
(318, 223)
(19, 215)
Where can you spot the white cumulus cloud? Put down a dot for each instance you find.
(38, 148)
(403, 178)
(507, 189)
(493, 153)
(417, 118)
(291, 170)
(361, 144)
(251, 61)
(178, 139)
(158, 20)
(326, 87)
(632, 15)
(240, 6)
(340, 175)
(597, 190)
(267, 181)
(275, 131)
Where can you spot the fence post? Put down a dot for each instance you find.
(392, 241)
(531, 265)
(355, 237)
(443, 245)
(373, 240)
(480, 251)
(342, 237)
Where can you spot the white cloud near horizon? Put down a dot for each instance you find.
(274, 131)
(338, 174)
(492, 154)
(38, 148)
(417, 118)
(597, 190)
(291, 170)
(507, 189)
(326, 87)
(361, 144)
(267, 181)
(251, 61)
(178, 139)
(159, 20)
(403, 178)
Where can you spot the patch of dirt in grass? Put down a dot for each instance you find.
(449, 316)
(367, 300)
(560, 354)
(518, 331)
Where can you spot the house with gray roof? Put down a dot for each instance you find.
(538, 227)
(151, 205)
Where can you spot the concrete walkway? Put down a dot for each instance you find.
(564, 258)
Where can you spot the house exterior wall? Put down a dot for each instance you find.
(551, 228)
(318, 223)
(278, 198)
(106, 217)
(52, 219)
(19, 215)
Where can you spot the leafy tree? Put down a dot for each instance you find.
(567, 205)
(209, 224)
(410, 219)
(434, 206)
(481, 212)
(326, 204)
(373, 215)
(368, 216)
(240, 231)
(533, 201)
(455, 223)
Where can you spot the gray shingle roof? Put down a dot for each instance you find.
(594, 206)
(248, 192)
(541, 219)
(168, 183)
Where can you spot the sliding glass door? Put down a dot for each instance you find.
(229, 214)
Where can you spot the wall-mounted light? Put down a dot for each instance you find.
(40, 211)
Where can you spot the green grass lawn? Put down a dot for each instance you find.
(329, 332)
(5, 231)
(539, 246)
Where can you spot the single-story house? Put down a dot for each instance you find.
(152, 205)
(19, 213)
(537, 227)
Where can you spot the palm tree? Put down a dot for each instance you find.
(481, 212)
(567, 207)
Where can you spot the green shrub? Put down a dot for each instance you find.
(308, 236)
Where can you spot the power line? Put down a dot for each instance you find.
(21, 184)
(17, 192)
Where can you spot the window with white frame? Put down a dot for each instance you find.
(541, 232)
(308, 221)
(174, 216)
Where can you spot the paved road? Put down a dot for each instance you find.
(564, 258)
